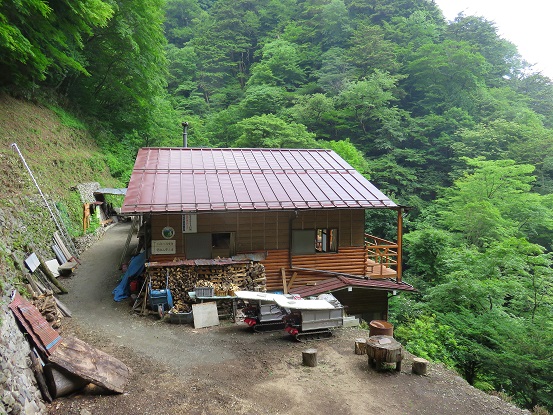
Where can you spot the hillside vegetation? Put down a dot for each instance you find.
(61, 154)
(445, 117)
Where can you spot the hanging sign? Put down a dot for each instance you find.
(189, 223)
(168, 232)
(164, 247)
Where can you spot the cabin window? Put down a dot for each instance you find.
(326, 240)
(303, 241)
(222, 244)
(311, 241)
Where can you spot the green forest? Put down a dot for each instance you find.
(443, 116)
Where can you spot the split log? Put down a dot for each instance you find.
(33, 284)
(36, 367)
(420, 366)
(383, 349)
(63, 308)
(360, 346)
(309, 357)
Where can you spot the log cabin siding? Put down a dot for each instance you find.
(349, 260)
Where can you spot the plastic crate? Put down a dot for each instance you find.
(181, 318)
(203, 291)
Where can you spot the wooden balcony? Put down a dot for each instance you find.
(382, 258)
(378, 259)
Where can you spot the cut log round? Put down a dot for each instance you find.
(420, 366)
(360, 346)
(383, 349)
(309, 357)
(62, 382)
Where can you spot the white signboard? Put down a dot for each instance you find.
(189, 223)
(164, 247)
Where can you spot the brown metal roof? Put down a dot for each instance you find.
(202, 180)
(45, 338)
(341, 282)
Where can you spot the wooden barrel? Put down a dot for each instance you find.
(381, 327)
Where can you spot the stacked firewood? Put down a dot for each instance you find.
(46, 304)
(225, 280)
(224, 307)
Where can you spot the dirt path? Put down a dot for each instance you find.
(229, 370)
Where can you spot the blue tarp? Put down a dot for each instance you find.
(136, 267)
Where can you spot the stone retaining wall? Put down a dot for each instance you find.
(20, 391)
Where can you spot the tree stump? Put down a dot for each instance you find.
(309, 357)
(420, 366)
(383, 349)
(360, 346)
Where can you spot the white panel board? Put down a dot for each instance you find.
(161, 247)
(53, 267)
(304, 304)
(205, 315)
(254, 295)
(32, 262)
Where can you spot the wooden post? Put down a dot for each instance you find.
(291, 282)
(36, 366)
(360, 346)
(50, 276)
(420, 366)
(309, 357)
(399, 245)
(284, 285)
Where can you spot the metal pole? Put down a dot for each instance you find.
(185, 134)
(60, 228)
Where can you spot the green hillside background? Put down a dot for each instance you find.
(444, 117)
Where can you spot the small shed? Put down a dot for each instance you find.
(299, 212)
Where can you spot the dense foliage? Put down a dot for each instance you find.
(446, 117)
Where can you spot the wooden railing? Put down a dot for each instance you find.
(382, 258)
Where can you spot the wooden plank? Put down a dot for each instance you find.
(60, 256)
(294, 275)
(61, 245)
(91, 364)
(284, 286)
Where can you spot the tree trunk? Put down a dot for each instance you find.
(44, 268)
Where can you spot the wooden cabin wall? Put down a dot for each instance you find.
(158, 222)
(349, 222)
(348, 260)
(263, 231)
(368, 304)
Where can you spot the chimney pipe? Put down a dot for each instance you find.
(185, 134)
